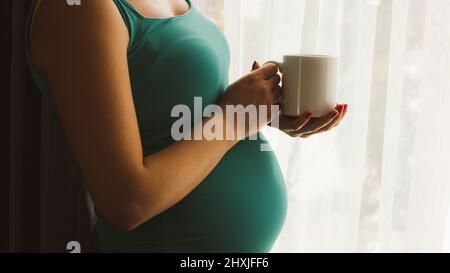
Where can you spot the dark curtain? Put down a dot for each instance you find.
(42, 206)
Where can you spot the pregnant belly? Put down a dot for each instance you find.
(240, 207)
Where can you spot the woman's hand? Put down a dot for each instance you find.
(305, 126)
(259, 88)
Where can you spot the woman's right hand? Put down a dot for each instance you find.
(259, 88)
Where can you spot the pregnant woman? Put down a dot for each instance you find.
(114, 70)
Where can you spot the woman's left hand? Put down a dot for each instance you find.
(305, 126)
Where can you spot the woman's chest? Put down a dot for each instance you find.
(174, 62)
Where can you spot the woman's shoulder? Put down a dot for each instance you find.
(59, 27)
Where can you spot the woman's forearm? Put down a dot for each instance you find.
(172, 173)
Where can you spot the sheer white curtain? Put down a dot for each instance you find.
(381, 181)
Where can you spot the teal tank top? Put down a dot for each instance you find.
(242, 204)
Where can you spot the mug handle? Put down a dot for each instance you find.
(280, 65)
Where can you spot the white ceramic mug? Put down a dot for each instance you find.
(309, 84)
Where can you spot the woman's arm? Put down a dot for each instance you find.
(82, 52)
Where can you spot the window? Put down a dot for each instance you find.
(381, 182)
(213, 9)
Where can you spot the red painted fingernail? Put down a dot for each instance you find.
(254, 65)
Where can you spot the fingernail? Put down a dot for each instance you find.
(254, 65)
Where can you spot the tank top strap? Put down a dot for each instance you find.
(137, 24)
(130, 18)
